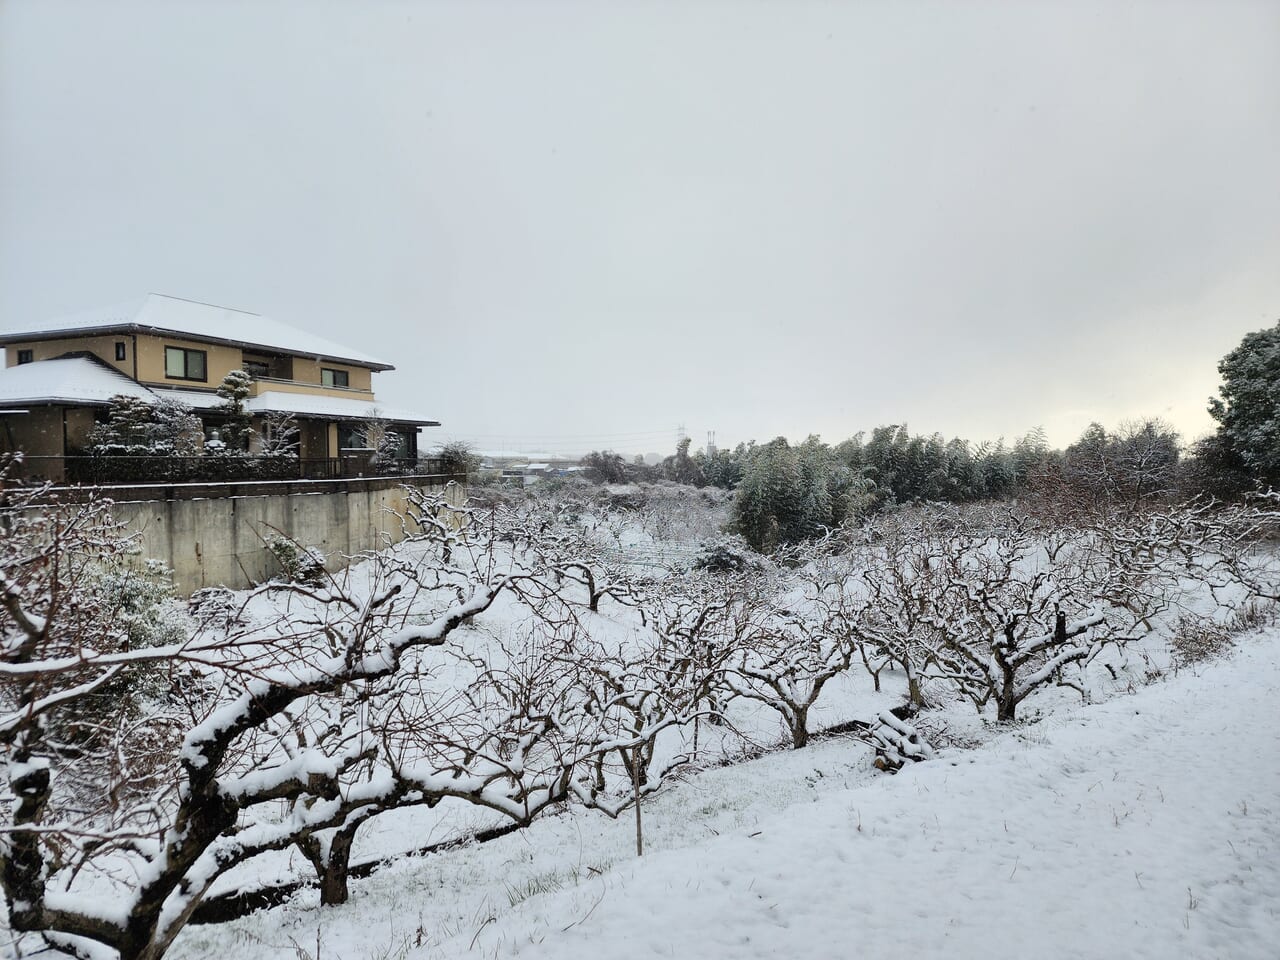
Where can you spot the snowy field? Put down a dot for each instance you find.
(1147, 826)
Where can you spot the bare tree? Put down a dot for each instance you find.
(272, 724)
(783, 653)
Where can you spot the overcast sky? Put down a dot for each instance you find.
(578, 225)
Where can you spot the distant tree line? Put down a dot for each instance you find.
(785, 493)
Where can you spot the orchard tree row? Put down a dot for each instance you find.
(146, 756)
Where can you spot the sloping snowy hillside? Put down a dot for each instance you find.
(1144, 827)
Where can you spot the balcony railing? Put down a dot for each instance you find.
(268, 383)
(103, 470)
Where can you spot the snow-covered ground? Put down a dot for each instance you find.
(1148, 826)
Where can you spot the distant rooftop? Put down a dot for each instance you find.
(158, 313)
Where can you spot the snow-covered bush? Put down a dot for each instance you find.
(139, 428)
(298, 562)
(235, 427)
(457, 457)
(215, 608)
(727, 555)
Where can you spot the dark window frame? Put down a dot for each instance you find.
(121, 351)
(334, 374)
(26, 356)
(258, 369)
(187, 353)
(354, 434)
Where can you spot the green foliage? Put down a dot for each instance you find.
(458, 457)
(604, 466)
(234, 432)
(298, 563)
(1248, 411)
(235, 387)
(726, 555)
(723, 468)
(770, 508)
(1216, 469)
(144, 612)
(787, 494)
(682, 468)
(138, 428)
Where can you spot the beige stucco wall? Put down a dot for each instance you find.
(308, 371)
(148, 364)
(104, 347)
(315, 390)
(221, 542)
(219, 361)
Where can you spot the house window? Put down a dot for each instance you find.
(334, 378)
(351, 436)
(119, 349)
(183, 364)
(25, 356)
(257, 369)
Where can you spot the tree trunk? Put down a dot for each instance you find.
(1007, 696)
(635, 786)
(636, 763)
(24, 866)
(333, 880)
(1007, 702)
(332, 864)
(800, 728)
(915, 694)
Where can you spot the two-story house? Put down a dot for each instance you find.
(59, 377)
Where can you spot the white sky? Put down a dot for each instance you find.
(577, 225)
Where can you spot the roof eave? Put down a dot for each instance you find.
(23, 337)
(337, 417)
(59, 402)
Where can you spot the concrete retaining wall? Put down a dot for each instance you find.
(221, 540)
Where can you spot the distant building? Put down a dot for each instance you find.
(60, 376)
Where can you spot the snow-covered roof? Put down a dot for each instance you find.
(158, 313)
(305, 404)
(333, 408)
(81, 380)
(195, 399)
(68, 380)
